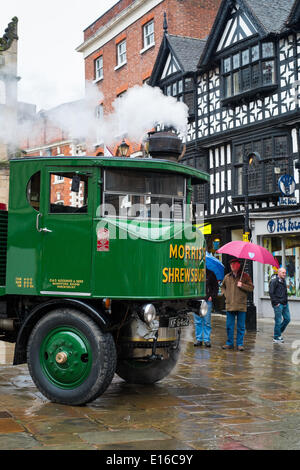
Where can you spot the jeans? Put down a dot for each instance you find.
(240, 327)
(203, 325)
(282, 319)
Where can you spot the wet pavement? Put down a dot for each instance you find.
(215, 399)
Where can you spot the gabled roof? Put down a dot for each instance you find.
(272, 15)
(265, 16)
(294, 16)
(185, 50)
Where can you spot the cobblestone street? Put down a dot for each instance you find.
(215, 399)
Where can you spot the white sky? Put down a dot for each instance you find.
(51, 70)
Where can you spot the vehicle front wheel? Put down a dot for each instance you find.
(136, 371)
(70, 359)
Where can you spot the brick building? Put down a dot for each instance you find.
(44, 136)
(121, 46)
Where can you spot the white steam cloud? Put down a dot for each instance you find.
(134, 114)
(141, 109)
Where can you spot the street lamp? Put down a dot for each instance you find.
(248, 160)
(123, 149)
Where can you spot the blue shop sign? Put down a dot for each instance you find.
(283, 225)
(286, 185)
(287, 201)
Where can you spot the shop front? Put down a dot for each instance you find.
(279, 232)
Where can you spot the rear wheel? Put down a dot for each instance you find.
(70, 359)
(146, 372)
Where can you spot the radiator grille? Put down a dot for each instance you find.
(3, 246)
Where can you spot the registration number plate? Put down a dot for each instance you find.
(177, 322)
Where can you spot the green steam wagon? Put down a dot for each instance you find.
(93, 279)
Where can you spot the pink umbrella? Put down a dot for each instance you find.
(248, 250)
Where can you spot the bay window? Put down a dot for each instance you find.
(249, 70)
(262, 176)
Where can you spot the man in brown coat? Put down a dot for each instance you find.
(236, 288)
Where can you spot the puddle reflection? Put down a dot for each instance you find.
(6, 353)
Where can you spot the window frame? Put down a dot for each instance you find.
(267, 162)
(84, 191)
(144, 195)
(99, 111)
(234, 64)
(97, 69)
(120, 54)
(179, 85)
(147, 35)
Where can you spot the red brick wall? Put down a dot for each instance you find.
(191, 18)
(114, 11)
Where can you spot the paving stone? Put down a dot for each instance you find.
(112, 437)
(213, 399)
(17, 441)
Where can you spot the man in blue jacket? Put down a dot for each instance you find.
(279, 299)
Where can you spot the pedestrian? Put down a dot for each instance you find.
(279, 299)
(203, 324)
(235, 287)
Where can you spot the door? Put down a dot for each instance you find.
(65, 223)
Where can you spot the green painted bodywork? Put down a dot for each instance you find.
(65, 262)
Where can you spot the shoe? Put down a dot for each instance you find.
(240, 348)
(278, 340)
(227, 346)
(198, 343)
(207, 344)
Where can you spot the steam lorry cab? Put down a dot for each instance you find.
(100, 265)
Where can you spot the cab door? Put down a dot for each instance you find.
(65, 225)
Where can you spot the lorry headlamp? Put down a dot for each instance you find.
(149, 312)
(203, 308)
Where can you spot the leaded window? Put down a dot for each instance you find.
(248, 69)
(262, 176)
(183, 90)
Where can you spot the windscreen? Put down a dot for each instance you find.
(143, 194)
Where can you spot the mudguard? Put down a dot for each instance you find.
(42, 309)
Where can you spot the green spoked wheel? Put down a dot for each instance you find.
(70, 359)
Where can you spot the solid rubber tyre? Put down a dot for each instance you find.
(91, 357)
(143, 372)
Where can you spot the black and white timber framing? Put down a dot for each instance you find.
(242, 87)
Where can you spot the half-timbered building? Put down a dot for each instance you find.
(244, 127)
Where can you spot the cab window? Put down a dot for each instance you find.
(68, 193)
(145, 195)
(33, 190)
